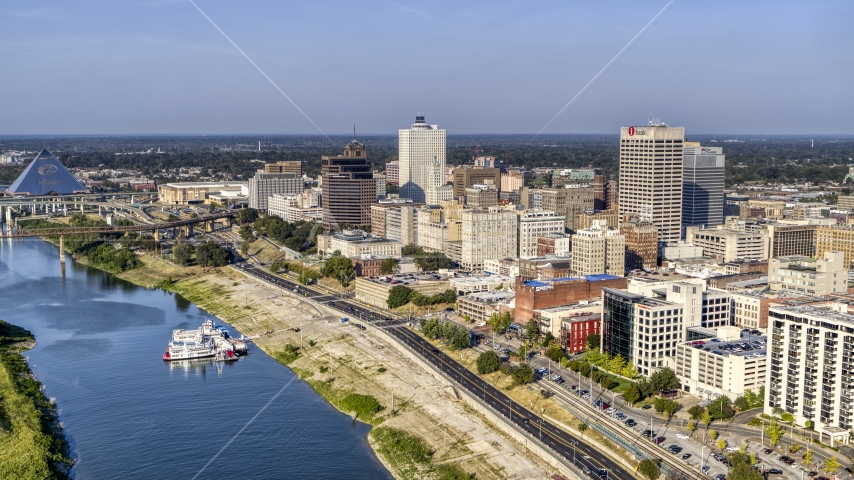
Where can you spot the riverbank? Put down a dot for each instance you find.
(32, 445)
(423, 429)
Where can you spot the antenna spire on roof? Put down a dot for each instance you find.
(354, 131)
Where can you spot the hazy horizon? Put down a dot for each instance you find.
(95, 67)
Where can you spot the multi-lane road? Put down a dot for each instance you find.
(570, 447)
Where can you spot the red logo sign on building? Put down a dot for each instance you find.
(631, 131)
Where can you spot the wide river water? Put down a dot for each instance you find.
(127, 414)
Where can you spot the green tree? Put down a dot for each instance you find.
(593, 341)
(548, 338)
(831, 465)
(411, 249)
(244, 248)
(713, 435)
(181, 253)
(523, 374)
(631, 394)
(582, 427)
(389, 267)
(808, 457)
(629, 371)
(616, 364)
(171, 218)
(488, 362)
(788, 418)
(691, 427)
(341, 269)
(532, 329)
(721, 444)
(721, 408)
(555, 353)
(246, 215)
(523, 352)
(649, 469)
(398, 296)
(499, 322)
(696, 411)
(774, 432)
(706, 419)
(664, 379)
(741, 469)
(246, 233)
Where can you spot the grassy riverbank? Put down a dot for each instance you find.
(32, 445)
(357, 373)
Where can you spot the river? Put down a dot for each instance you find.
(127, 414)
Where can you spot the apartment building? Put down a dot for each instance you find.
(641, 243)
(811, 372)
(558, 244)
(392, 172)
(569, 202)
(599, 249)
(512, 181)
(481, 196)
(478, 307)
(285, 166)
(750, 309)
(604, 193)
(836, 239)
(486, 233)
(586, 219)
(534, 224)
(465, 177)
(803, 211)
(788, 239)
(439, 225)
(437, 195)
(264, 185)
(401, 223)
(823, 276)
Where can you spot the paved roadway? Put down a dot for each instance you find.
(557, 439)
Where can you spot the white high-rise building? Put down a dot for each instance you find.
(421, 151)
(651, 177)
(536, 223)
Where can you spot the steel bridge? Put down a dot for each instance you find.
(155, 227)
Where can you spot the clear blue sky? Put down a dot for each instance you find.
(157, 66)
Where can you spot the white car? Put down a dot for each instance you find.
(682, 436)
(732, 448)
(796, 465)
(497, 347)
(481, 324)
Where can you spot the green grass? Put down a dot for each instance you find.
(288, 355)
(451, 471)
(31, 445)
(408, 455)
(364, 406)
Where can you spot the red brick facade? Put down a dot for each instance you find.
(573, 333)
(548, 294)
(367, 267)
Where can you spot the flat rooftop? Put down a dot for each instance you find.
(408, 279)
(490, 297)
(478, 279)
(822, 313)
(737, 347)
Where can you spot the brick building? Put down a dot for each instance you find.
(574, 332)
(539, 294)
(367, 265)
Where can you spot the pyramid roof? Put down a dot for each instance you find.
(44, 175)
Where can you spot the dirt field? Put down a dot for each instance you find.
(350, 360)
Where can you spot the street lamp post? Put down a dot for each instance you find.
(574, 443)
(541, 430)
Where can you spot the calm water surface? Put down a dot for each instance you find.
(129, 415)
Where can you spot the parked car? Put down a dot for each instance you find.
(768, 451)
(631, 423)
(586, 470)
(686, 456)
(659, 440)
(646, 407)
(720, 476)
(682, 436)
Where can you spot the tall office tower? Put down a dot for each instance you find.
(421, 152)
(651, 177)
(702, 185)
(349, 187)
(264, 185)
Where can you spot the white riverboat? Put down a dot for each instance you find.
(188, 350)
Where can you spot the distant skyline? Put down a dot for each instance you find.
(159, 67)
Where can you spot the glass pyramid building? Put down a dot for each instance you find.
(46, 176)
